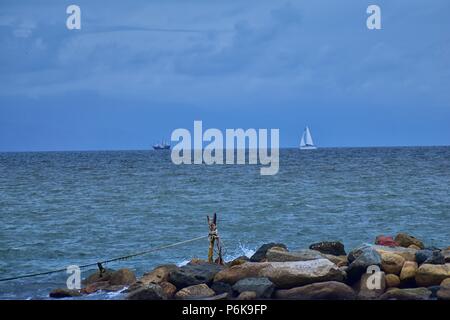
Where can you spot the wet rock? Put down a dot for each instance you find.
(247, 295)
(369, 287)
(330, 290)
(423, 255)
(122, 277)
(436, 258)
(260, 254)
(222, 287)
(364, 259)
(158, 275)
(238, 260)
(114, 288)
(405, 240)
(391, 262)
(284, 274)
(262, 286)
(444, 290)
(407, 294)
(150, 291)
(392, 281)
(193, 274)
(94, 287)
(97, 277)
(386, 241)
(64, 293)
(432, 274)
(197, 291)
(168, 289)
(277, 254)
(408, 273)
(335, 248)
(407, 253)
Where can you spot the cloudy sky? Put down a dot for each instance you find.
(139, 69)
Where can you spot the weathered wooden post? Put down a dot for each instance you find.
(213, 236)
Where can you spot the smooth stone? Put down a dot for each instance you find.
(405, 240)
(335, 248)
(158, 275)
(94, 287)
(97, 277)
(247, 295)
(197, 291)
(122, 277)
(284, 274)
(340, 261)
(64, 293)
(407, 253)
(408, 273)
(192, 274)
(392, 281)
(366, 293)
(413, 246)
(423, 255)
(446, 254)
(222, 287)
(356, 252)
(444, 290)
(260, 254)
(277, 254)
(330, 290)
(262, 286)
(168, 289)
(151, 291)
(432, 274)
(392, 262)
(238, 260)
(407, 294)
(436, 258)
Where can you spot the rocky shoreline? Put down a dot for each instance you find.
(400, 268)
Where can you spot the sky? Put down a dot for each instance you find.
(137, 70)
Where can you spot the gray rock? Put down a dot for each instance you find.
(365, 258)
(192, 274)
(356, 252)
(276, 255)
(262, 286)
(150, 291)
(335, 248)
(407, 294)
(260, 254)
(423, 255)
(330, 290)
(436, 258)
(222, 287)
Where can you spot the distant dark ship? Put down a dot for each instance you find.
(161, 146)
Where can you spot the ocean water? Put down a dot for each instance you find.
(64, 208)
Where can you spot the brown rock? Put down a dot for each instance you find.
(391, 262)
(340, 261)
(94, 287)
(444, 291)
(158, 275)
(413, 246)
(432, 274)
(392, 281)
(197, 291)
(408, 273)
(279, 254)
(247, 295)
(97, 277)
(407, 253)
(64, 293)
(168, 289)
(330, 290)
(405, 240)
(151, 291)
(122, 277)
(407, 294)
(238, 261)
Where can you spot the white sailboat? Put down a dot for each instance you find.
(307, 142)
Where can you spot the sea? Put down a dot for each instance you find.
(73, 208)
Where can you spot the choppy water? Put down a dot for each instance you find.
(62, 208)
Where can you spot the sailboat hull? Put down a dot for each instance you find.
(308, 148)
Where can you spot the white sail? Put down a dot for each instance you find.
(302, 142)
(308, 138)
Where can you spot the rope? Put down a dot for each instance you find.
(99, 263)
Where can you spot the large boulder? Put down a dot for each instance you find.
(330, 290)
(423, 255)
(247, 295)
(277, 254)
(262, 286)
(405, 240)
(150, 291)
(391, 262)
(335, 248)
(436, 258)
(64, 293)
(386, 241)
(408, 273)
(94, 287)
(197, 291)
(193, 274)
(446, 254)
(97, 277)
(284, 274)
(370, 287)
(168, 289)
(122, 277)
(222, 287)
(392, 281)
(432, 274)
(340, 261)
(407, 294)
(260, 254)
(444, 290)
(158, 275)
(407, 253)
(363, 259)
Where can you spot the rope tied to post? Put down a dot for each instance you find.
(214, 238)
